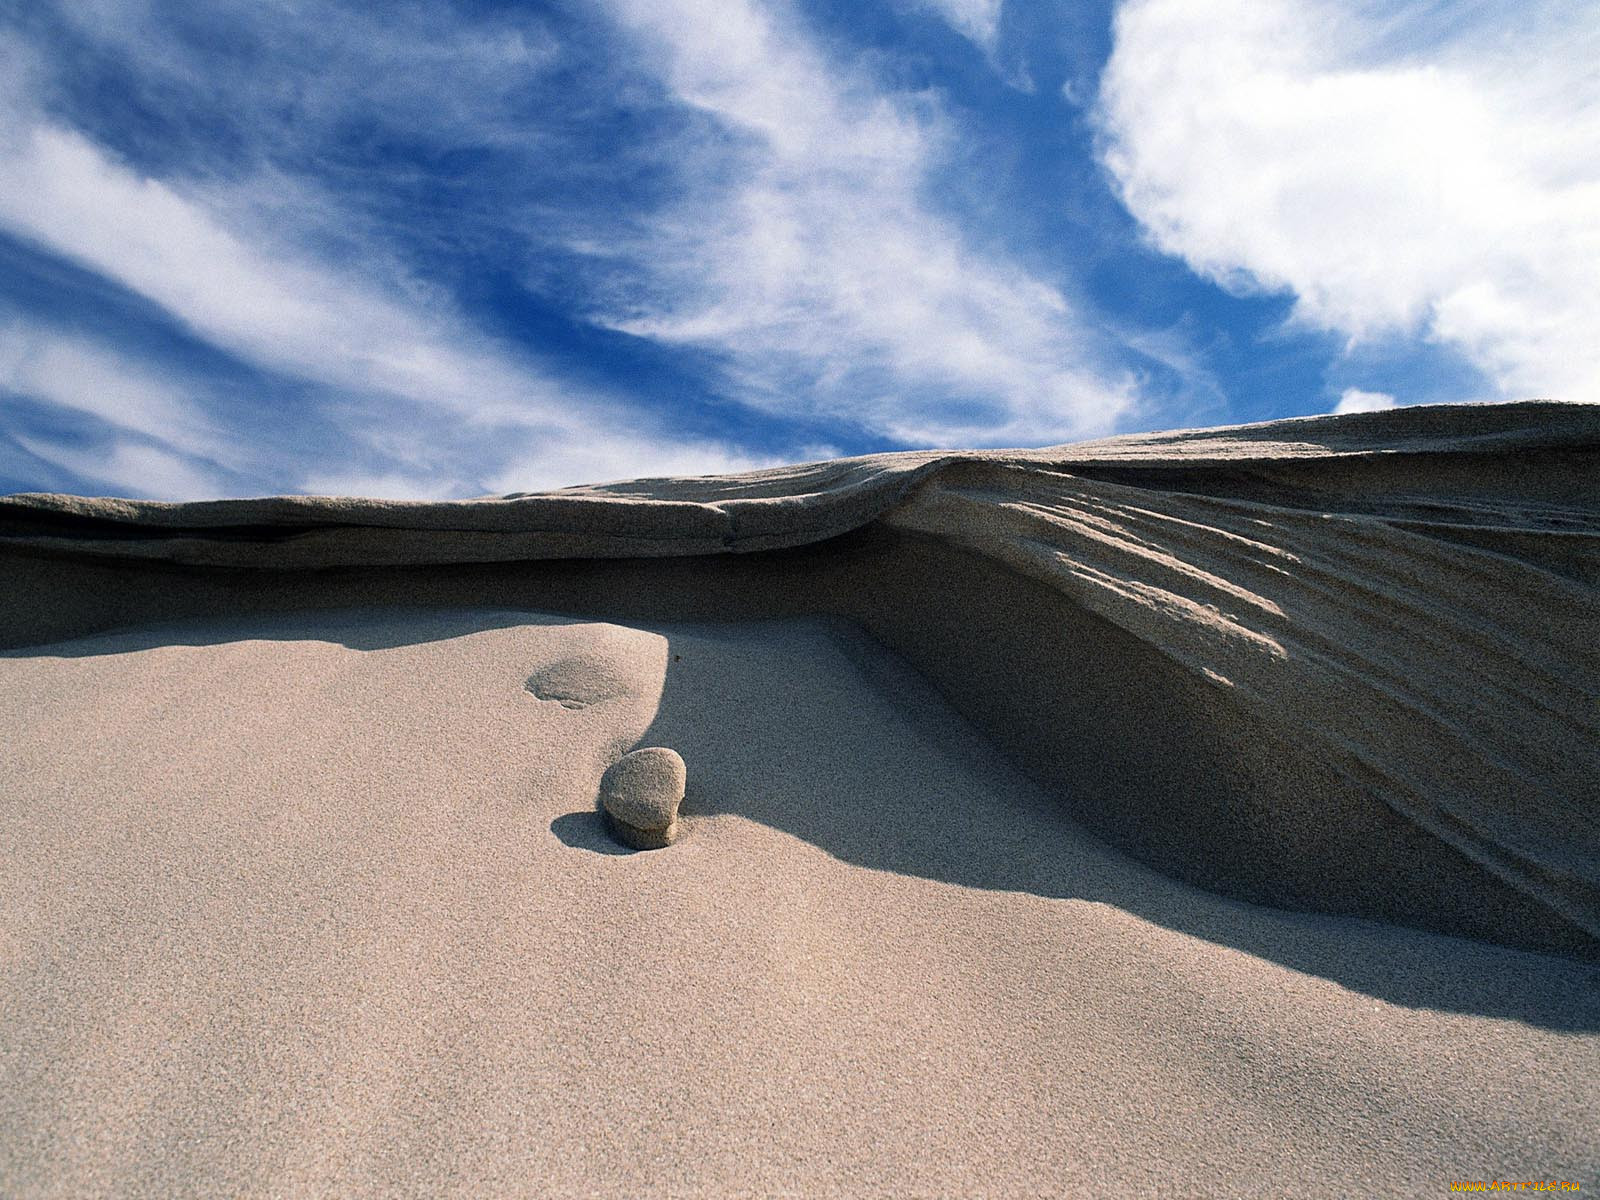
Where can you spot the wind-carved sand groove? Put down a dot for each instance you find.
(1410, 599)
(1442, 678)
(540, 692)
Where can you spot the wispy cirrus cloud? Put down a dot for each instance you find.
(127, 467)
(76, 373)
(157, 430)
(1428, 170)
(808, 252)
(265, 302)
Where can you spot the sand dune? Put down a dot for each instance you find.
(1208, 813)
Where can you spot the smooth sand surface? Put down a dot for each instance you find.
(319, 904)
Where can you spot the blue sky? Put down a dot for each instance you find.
(464, 248)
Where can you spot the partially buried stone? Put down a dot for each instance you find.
(641, 793)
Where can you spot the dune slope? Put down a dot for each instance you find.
(318, 903)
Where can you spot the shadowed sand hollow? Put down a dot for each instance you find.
(1178, 816)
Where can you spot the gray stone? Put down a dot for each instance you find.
(641, 793)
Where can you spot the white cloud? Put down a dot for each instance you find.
(427, 69)
(621, 456)
(976, 20)
(75, 373)
(1431, 170)
(391, 485)
(264, 302)
(542, 464)
(129, 468)
(821, 270)
(1354, 400)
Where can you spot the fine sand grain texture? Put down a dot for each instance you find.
(1209, 813)
(320, 904)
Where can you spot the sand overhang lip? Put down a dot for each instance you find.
(775, 508)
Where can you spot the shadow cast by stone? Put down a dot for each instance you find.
(587, 831)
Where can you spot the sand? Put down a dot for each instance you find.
(322, 905)
(1204, 814)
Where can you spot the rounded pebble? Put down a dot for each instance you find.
(641, 793)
